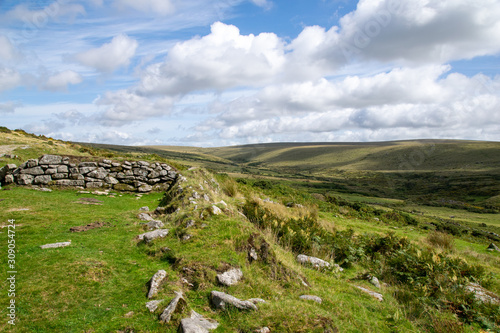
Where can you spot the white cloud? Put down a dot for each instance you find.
(8, 52)
(123, 107)
(9, 78)
(266, 4)
(161, 7)
(61, 80)
(110, 56)
(9, 107)
(40, 18)
(223, 59)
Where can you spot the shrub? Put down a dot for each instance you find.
(442, 240)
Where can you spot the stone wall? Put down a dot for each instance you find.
(58, 170)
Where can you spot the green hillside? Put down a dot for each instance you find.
(426, 257)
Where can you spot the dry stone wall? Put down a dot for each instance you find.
(58, 170)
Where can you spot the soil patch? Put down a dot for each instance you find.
(93, 225)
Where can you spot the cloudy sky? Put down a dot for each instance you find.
(224, 72)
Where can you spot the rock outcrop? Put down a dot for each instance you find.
(220, 300)
(58, 170)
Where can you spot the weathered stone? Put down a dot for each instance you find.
(76, 176)
(155, 283)
(115, 164)
(127, 167)
(86, 169)
(264, 330)
(50, 171)
(230, 277)
(87, 164)
(64, 182)
(172, 174)
(124, 187)
(152, 235)
(9, 179)
(140, 172)
(24, 179)
(177, 304)
(98, 173)
(144, 209)
(154, 224)
(74, 170)
(153, 174)
(145, 217)
(493, 247)
(315, 262)
(311, 298)
(77, 182)
(483, 295)
(31, 163)
(153, 305)
(154, 181)
(197, 324)
(45, 179)
(50, 159)
(378, 296)
(215, 210)
(144, 188)
(256, 300)
(143, 163)
(62, 169)
(93, 184)
(55, 245)
(111, 180)
(60, 176)
(36, 171)
(374, 281)
(252, 255)
(220, 300)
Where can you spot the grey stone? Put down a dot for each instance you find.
(88, 164)
(144, 188)
(140, 172)
(378, 296)
(152, 235)
(154, 224)
(31, 163)
(50, 159)
(76, 176)
(177, 302)
(50, 171)
(215, 210)
(98, 173)
(85, 170)
(230, 277)
(155, 283)
(11, 167)
(153, 174)
(9, 179)
(36, 171)
(64, 182)
(264, 330)
(93, 184)
(481, 294)
(256, 300)
(153, 305)
(124, 187)
(145, 217)
(311, 298)
(220, 300)
(197, 324)
(60, 176)
(24, 179)
(143, 163)
(55, 245)
(111, 180)
(315, 262)
(62, 169)
(252, 255)
(45, 179)
(144, 209)
(374, 281)
(493, 247)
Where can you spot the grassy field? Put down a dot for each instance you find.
(424, 255)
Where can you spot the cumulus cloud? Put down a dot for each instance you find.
(8, 51)
(9, 78)
(161, 7)
(123, 107)
(9, 107)
(223, 59)
(110, 56)
(61, 80)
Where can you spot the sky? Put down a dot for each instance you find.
(228, 72)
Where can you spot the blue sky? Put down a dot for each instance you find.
(225, 72)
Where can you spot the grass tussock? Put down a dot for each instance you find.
(441, 240)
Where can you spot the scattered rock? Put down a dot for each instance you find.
(371, 293)
(264, 330)
(155, 283)
(315, 262)
(129, 314)
(154, 224)
(144, 209)
(186, 237)
(55, 245)
(176, 304)
(144, 217)
(152, 235)
(482, 294)
(197, 324)
(256, 300)
(215, 210)
(493, 247)
(252, 255)
(374, 281)
(230, 277)
(220, 299)
(90, 226)
(311, 298)
(153, 305)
